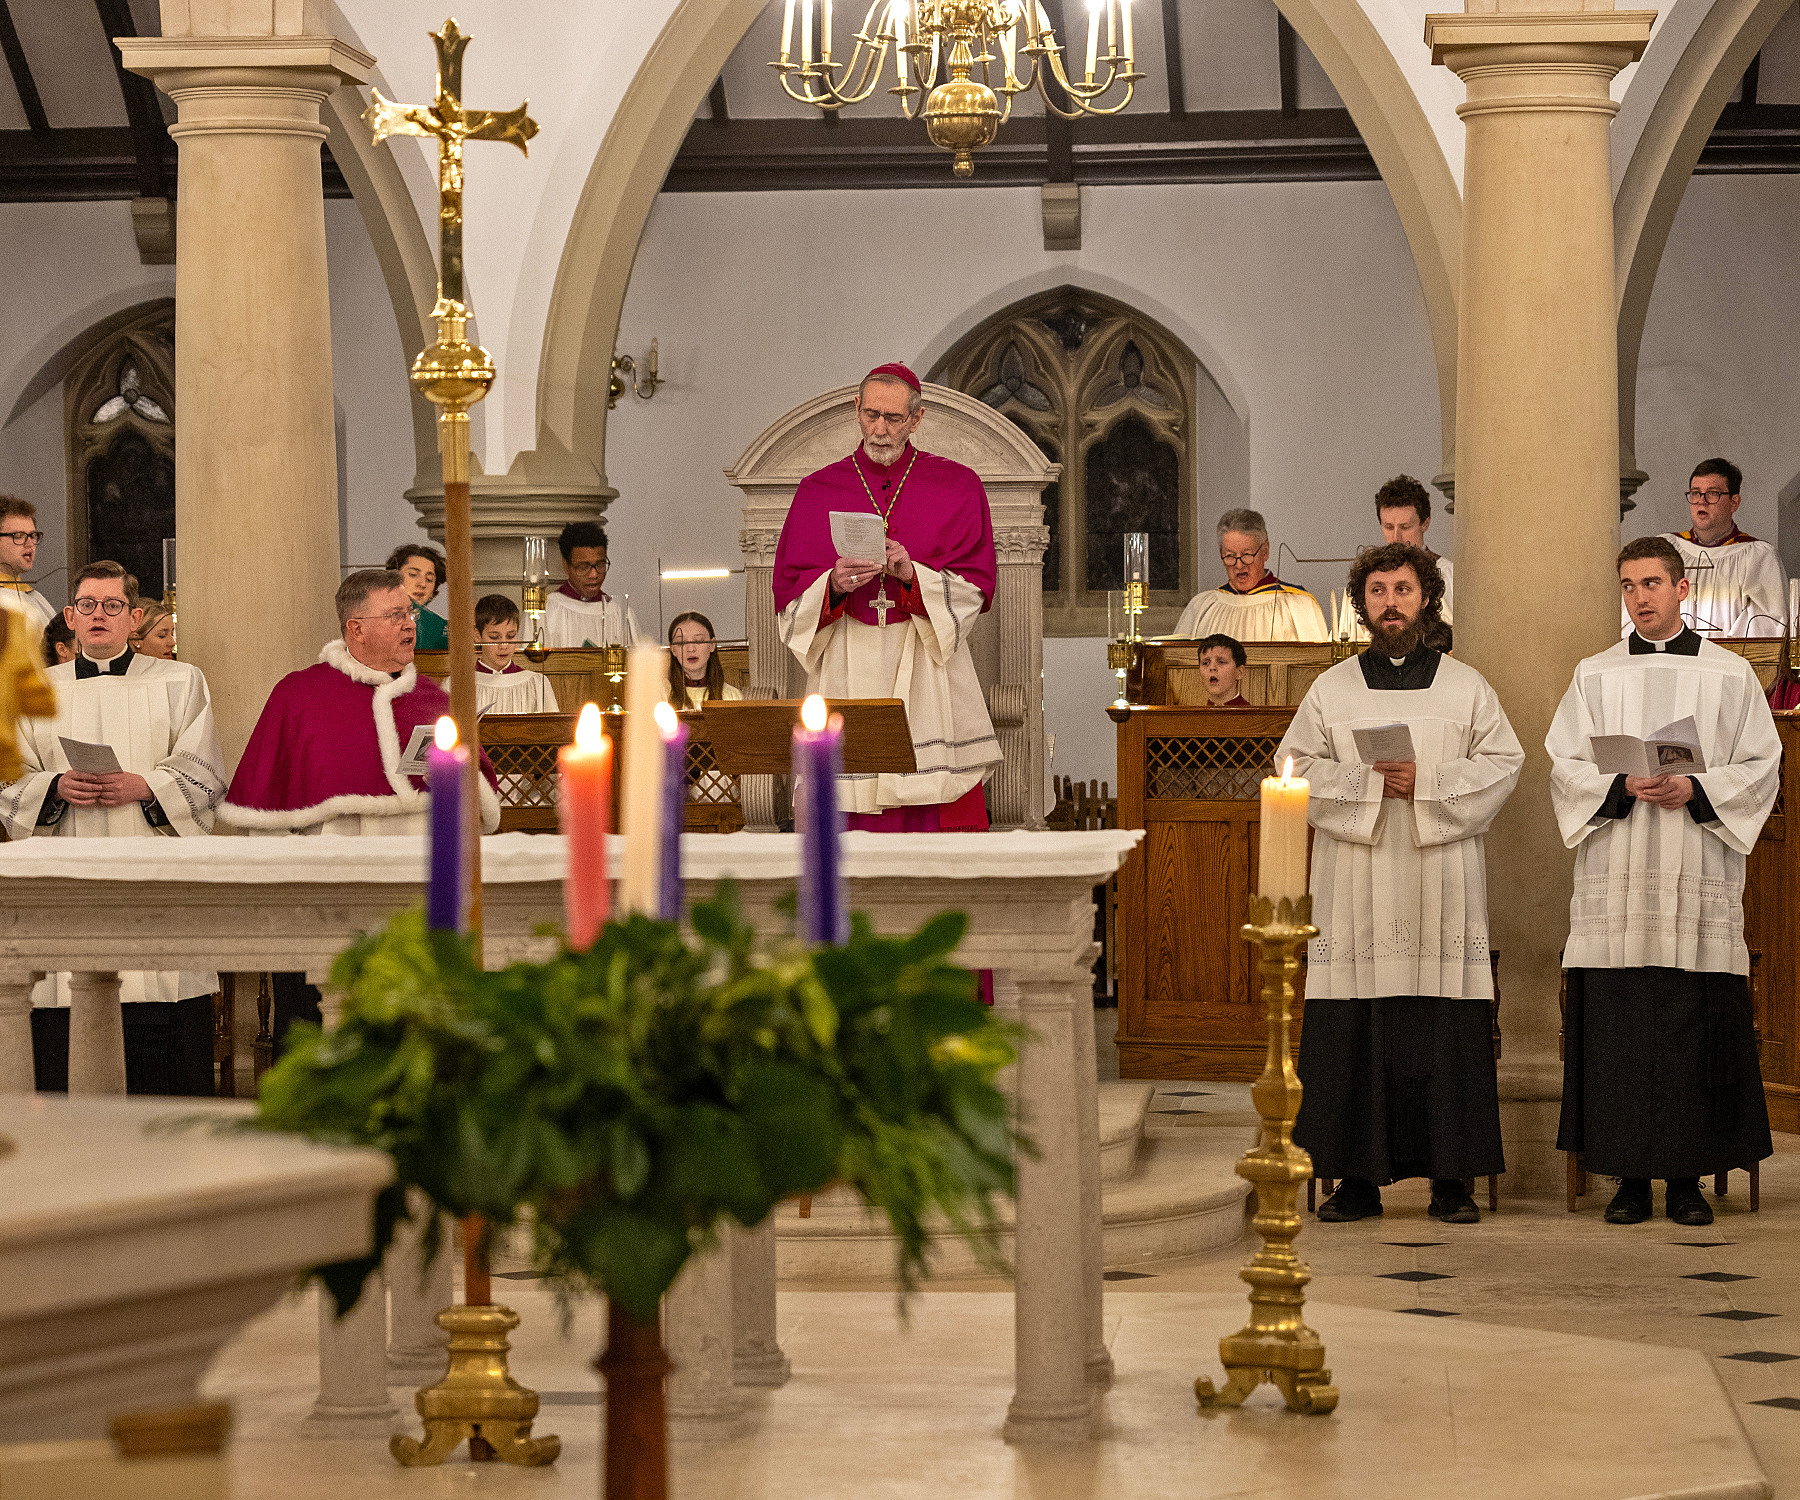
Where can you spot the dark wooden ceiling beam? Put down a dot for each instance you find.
(1059, 134)
(149, 134)
(1173, 65)
(20, 68)
(97, 164)
(715, 102)
(1752, 79)
(1287, 59)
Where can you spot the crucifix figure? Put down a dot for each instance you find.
(881, 604)
(451, 124)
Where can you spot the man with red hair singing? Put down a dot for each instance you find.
(897, 626)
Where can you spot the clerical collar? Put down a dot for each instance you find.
(568, 592)
(511, 666)
(1415, 673)
(1683, 643)
(1269, 583)
(117, 667)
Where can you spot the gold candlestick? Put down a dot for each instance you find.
(1276, 1345)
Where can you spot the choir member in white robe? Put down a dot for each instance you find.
(1253, 604)
(1660, 1073)
(504, 685)
(1736, 582)
(1396, 1050)
(581, 612)
(897, 626)
(18, 551)
(1403, 510)
(695, 671)
(156, 717)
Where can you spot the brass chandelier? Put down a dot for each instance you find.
(959, 38)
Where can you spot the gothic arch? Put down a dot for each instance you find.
(647, 129)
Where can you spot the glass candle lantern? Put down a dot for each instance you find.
(1119, 647)
(536, 574)
(1137, 578)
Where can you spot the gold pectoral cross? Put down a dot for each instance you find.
(451, 124)
(881, 604)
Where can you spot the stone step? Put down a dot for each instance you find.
(1184, 1199)
(1122, 1107)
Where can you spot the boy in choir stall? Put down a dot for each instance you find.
(423, 571)
(1396, 1054)
(581, 612)
(1736, 583)
(695, 673)
(1253, 604)
(1660, 1073)
(156, 718)
(19, 538)
(1222, 666)
(59, 642)
(502, 685)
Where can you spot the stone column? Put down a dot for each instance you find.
(1098, 1360)
(417, 1348)
(258, 476)
(1051, 1401)
(703, 1401)
(756, 1357)
(96, 1033)
(353, 1399)
(1016, 701)
(1537, 434)
(17, 1073)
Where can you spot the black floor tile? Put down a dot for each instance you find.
(515, 1275)
(1703, 1244)
(1716, 1276)
(1738, 1315)
(1414, 1276)
(1129, 1276)
(1182, 1094)
(1761, 1357)
(1415, 1244)
(1786, 1403)
(1428, 1312)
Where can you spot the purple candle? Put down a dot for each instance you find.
(674, 789)
(818, 761)
(446, 901)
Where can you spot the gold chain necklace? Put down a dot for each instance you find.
(884, 514)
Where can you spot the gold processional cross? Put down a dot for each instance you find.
(479, 1400)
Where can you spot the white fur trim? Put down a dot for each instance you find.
(337, 654)
(289, 819)
(490, 803)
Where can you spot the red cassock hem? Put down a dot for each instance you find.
(967, 814)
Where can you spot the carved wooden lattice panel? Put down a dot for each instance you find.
(1194, 768)
(706, 782)
(526, 773)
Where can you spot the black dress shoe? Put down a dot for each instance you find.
(1451, 1203)
(1355, 1199)
(1631, 1204)
(1683, 1203)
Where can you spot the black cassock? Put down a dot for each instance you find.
(1660, 1075)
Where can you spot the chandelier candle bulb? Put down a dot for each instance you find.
(1125, 8)
(583, 808)
(806, 32)
(446, 905)
(1093, 48)
(818, 761)
(1281, 857)
(674, 748)
(641, 807)
(787, 32)
(897, 16)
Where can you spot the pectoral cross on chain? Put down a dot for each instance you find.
(451, 124)
(881, 604)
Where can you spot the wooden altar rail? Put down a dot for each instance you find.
(249, 905)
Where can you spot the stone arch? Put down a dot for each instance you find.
(1008, 641)
(1656, 178)
(646, 131)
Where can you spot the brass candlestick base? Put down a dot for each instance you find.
(477, 1399)
(1276, 1345)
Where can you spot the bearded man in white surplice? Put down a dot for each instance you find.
(1396, 1050)
(1660, 1073)
(156, 718)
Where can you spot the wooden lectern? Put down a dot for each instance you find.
(755, 737)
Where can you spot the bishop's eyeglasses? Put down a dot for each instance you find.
(87, 604)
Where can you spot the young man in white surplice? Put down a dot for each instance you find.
(1660, 1073)
(1396, 1055)
(156, 718)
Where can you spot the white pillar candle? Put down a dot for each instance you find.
(641, 805)
(1281, 855)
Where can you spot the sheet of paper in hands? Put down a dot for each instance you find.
(90, 760)
(1384, 742)
(413, 762)
(1672, 750)
(860, 537)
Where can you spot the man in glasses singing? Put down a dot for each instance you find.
(1739, 585)
(19, 538)
(141, 729)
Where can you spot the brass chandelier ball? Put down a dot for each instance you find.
(961, 116)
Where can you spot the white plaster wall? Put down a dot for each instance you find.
(1720, 369)
(369, 373)
(1301, 299)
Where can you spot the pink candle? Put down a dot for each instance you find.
(585, 795)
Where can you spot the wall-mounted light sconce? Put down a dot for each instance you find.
(643, 385)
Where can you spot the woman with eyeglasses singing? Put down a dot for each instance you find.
(19, 538)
